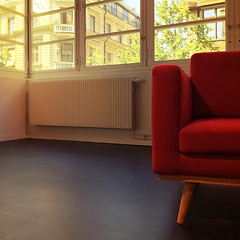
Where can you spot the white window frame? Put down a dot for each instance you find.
(184, 24)
(118, 33)
(232, 21)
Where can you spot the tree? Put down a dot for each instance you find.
(131, 54)
(181, 42)
(5, 56)
(172, 43)
(96, 59)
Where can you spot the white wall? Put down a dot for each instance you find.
(12, 108)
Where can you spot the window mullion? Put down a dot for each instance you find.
(28, 36)
(230, 28)
(237, 24)
(148, 18)
(77, 35)
(81, 41)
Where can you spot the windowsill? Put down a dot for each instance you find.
(95, 71)
(10, 73)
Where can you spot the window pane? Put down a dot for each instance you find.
(121, 16)
(53, 56)
(209, 13)
(16, 5)
(221, 12)
(53, 27)
(182, 42)
(179, 11)
(119, 49)
(12, 56)
(12, 26)
(41, 6)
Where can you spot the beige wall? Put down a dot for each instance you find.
(12, 108)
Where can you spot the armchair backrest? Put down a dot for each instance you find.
(216, 84)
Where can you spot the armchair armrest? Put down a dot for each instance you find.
(171, 110)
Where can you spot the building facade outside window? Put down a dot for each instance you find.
(206, 20)
(115, 28)
(217, 29)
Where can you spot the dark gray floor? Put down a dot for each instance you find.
(58, 190)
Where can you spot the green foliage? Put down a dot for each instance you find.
(131, 54)
(171, 43)
(181, 42)
(5, 56)
(96, 59)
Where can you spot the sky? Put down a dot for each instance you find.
(134, 4)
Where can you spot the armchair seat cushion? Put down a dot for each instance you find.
(212, 135)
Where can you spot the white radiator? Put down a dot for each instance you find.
(100, 103)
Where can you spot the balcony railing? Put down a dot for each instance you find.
(60, 65)
(128, 17)
(64, 28)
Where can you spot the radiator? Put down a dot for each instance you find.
(99, 103)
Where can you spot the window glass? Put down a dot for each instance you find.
(53, 34)
(182, 41)
(12, 34)
(14, 5)
(41, 6)
(111, 51)
(12, 56)
(59, 56)
(113, 19)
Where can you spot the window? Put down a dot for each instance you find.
(124, 15)
(108, 57)
(11, 25)
(180, 41)
(108, 28)
(35, 22)
(92, 24)
(113, 8)
(67, 17)
(66, 52)
(12, 33)
(217, 29)
(35, 55)
(119, 38)
(112, 32)
(55, 37)
(114, 38)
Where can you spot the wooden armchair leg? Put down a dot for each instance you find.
(188, 192)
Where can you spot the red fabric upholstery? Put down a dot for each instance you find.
(171, 110)
(216, 82)
(210, 165)
(196, 120)
(212, 135)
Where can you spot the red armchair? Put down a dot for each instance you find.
(196, 123)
